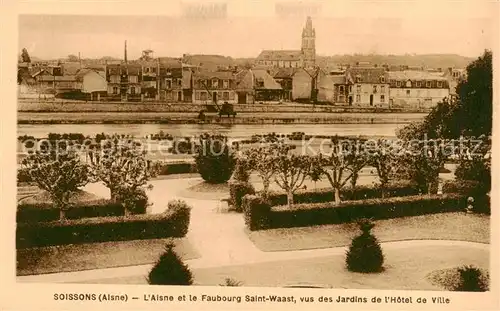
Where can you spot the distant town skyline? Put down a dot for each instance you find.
(57, 36)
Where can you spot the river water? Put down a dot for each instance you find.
(234, 131)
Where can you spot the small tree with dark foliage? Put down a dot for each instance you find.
(214, 159)
(470, 280)
(170, 270)
(365, 254)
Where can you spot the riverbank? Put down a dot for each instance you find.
(191, 118)
(85, 107)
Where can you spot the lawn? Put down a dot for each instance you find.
(447, 226)
(406, 268)
(68, 258)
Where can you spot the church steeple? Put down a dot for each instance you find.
(309, 44)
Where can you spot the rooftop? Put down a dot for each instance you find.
(415, 75)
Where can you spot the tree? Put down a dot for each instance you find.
(124, 169)
(291, 170)
(242, 170)
(386, 161)
(475, 161)
(170, 270)
(468, 115)
(476, 97)
(262, 161)
(340, 165)
(73, 58)
(59, 174)
(214, 159)
(365, 254)
(422, 163)
(25, 57)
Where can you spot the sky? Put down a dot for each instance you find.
(393, 29)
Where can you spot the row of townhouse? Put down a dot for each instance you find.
(169, 80)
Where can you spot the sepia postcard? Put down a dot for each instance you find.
(249, 155)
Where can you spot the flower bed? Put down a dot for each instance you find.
(172, 223)
(259, 214)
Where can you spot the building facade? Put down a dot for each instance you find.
(124, 81)
(367, 86)
(214, 87)
(417, 89)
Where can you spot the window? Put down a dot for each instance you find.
(358, 88)
(418, 84)
(407, 93)
(398, 83)
(350, 88)
(428, 84)
(168, 83)
(358, 98)
(225, 96)
(382, 88)
(341, 89)
(132, 90)
(439, 84)
(115, 90)
(341, 99)
(382, 79)
(374, 89)
(114, 79)
(153, 70)
(225, 84)
(215, 83)
(382, 98)
(146, 69)
(133, 79)
(358, 79)
(408, 83)
(203, 95)
(179, 82)
(197, 95)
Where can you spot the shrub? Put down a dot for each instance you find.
(256, 211)
(170, 270)
(302, 215)
(135, 200)
(181, 215)
(471, 188)
(176, 168)
(23, 175)
(471, 280)
(476, 170)
(172, 223)
(365, 254)
(214, 160)
(43, 212)
(231, 282)
(237, 190)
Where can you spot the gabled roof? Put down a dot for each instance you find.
(244, 80)
(223, 75)
(267, 79)
(71, 68)
(283, 73)
(414, 75)
(288, 55)
(338, 79)
(369, 75)
(47, 78)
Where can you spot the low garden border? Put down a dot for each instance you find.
(172, 223)
(259, 214)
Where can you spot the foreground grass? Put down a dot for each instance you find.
(447, 226)
(69, 258)
(406, 268)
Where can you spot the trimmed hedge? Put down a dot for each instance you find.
(471, 188)
(237, 190)
(260, 215)
(172, 223)
(395, 189)
(43, 212)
